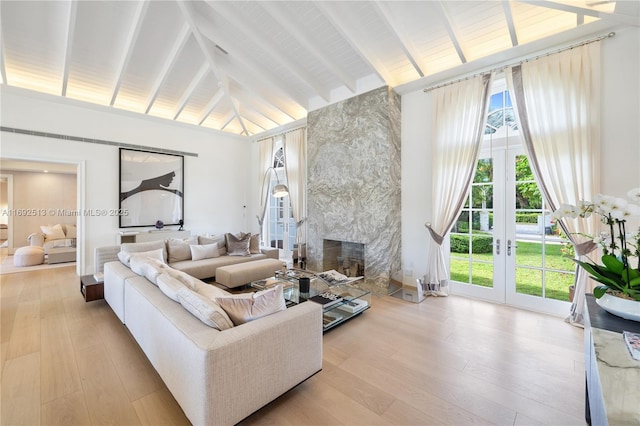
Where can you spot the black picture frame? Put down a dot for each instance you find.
(151, 188)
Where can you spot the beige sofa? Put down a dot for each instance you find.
(59, 235)
(217, 377)
(177, 257)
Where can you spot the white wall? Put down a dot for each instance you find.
(216, 182)
(620, 138)
(41, 191)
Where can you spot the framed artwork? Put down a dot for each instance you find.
(151, 188)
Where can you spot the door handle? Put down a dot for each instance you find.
(509, 247)
(498, 246)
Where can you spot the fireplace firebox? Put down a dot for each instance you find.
(344, 256)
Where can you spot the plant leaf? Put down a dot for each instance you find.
(599, 291)
(612, 263)
(602, 275)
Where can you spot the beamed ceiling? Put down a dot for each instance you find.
(246, 67)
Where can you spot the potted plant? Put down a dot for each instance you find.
(619, 273)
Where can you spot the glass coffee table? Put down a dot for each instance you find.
(341, 301)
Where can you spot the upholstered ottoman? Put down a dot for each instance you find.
(243, 273)
(28, 256)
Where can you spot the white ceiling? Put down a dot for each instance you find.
(250, 66)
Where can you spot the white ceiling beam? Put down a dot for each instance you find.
(508, 15)
(204, 47)
(265, 44)
(172, 57)
(227, 120)
(251, 108)
(195, 82)
(253, 118)
(572, 8)
(252, 81)
(256, 75)
(262, 107)
(453, 36)
(249, 73)
(129, 44)
(71, 28)
(384, 12)
(206, 112)
(352, 36)
(290, 24)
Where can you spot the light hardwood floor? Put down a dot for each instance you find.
(448, 360)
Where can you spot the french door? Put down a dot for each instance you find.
(504, 246)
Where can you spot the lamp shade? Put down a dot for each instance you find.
(280, 190)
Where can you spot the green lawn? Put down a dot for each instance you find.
(528, 280)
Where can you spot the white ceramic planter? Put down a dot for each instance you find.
(628, 309)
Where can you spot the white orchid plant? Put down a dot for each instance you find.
(617, 273)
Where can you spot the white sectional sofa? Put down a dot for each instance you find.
(217, 377)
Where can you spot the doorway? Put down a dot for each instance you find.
(504, 247)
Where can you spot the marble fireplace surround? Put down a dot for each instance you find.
(353, 182)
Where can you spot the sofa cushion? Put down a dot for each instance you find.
(206, 310)
(247, 307)
(205, 251)
(190, 282)
(54, 232)
(170, 286)
(148, 267)
(146, 246)
(218, 239)
(178, 248)
(125, 257)
(238, 246)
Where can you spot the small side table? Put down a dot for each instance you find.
(91, 289)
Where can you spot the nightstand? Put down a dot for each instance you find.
(91, 289)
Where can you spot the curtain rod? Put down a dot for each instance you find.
(533, 58)
(282, 133)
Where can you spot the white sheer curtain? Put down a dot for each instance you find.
(265, 160)
(459, 117)
(295, 166)
(557, 102)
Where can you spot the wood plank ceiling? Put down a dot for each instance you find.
(246, 67)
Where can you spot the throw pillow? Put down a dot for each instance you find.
(219, 239)
(143, 247)
(206, 310)
(248, 307)
(147, 267)
(71, 231)
(254, 245)
(169, 286)
(179, 248)
(125, 257)
(205, 251)
(54, 232)
(186, 279)
(238, 246)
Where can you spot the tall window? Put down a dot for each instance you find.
(280, 225)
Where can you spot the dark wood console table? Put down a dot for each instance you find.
(612, 376)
